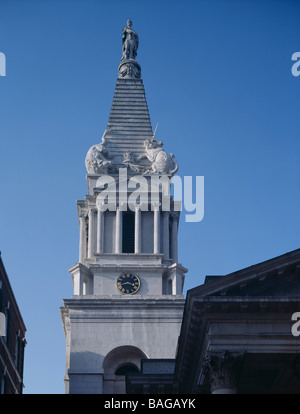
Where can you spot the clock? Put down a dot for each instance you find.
(128, 283)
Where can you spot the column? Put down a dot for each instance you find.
(166, 247)
(146, 388)
(100, 230)
(174, 242)
(156, 238)
(82, 238)
(118, 241)
(91, 233)
(137, 230)
(223, 370)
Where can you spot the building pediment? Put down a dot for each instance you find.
(248, 310)
(275, 277)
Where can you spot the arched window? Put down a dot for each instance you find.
(127, 369)
(117, 364)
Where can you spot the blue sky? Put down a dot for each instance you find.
(218, 80)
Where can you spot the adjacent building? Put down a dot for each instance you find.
(12, 339)
(236, 334)
(240, 333)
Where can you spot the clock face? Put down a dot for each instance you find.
(128, 283)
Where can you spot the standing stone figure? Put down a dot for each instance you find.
(130, 42)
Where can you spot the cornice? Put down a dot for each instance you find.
(102, 301)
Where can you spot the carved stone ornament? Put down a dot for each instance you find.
(223, 368)
(130, 69)
(130, 163)
(161, 162)
(96, 160)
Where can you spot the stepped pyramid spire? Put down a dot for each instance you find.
(128, 140)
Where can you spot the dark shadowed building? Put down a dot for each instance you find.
(239, 334)
(12, 339)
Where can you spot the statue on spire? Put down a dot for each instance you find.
(129, 68)
(130, 42)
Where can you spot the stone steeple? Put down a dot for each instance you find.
(127, 302)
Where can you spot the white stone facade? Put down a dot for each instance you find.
(106, 332)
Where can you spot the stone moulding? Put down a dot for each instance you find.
(124, 309)
(129, 68)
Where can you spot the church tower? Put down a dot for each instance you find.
(127, 301)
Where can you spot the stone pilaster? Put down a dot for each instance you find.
(118, 244)
(82, 237)
(156, 238)
(91, 247)
(100, 229)
(166, 247)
